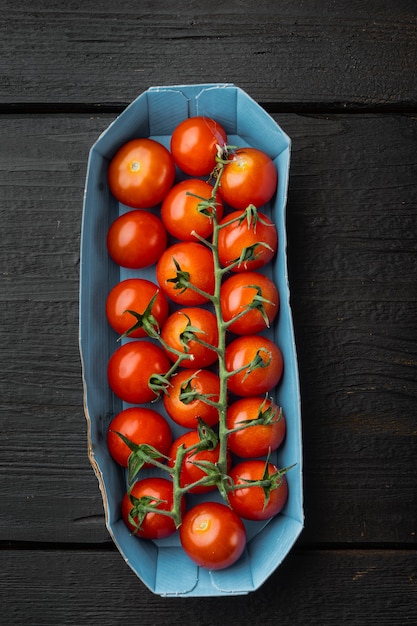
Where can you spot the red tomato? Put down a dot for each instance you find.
(241, 352)
(183, 331)
(154, 525)
(251, 292)
(258, 439)
(186, 261)
(250, 177)
(130, 368)
(212, 535)
(194, 145)
(190, 472)
(141, 173)
(253, 502)
(139, 425)
(181, 214)
(135, 294)
(258, 241)
(183, 402)
(136, 239)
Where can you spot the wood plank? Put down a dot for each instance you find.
(312, 587)
(294, 54)
(352, 263)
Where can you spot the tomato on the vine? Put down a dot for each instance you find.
(185, 265)
(131, 366)
(136, 294)
(185, 330)
(254, 293)
(259, 427)
(257, 502)
(136, 239)
(187, 395)
(194, 144)
(157, 492)
(252, 241)
(260, 365)
(141, 426)
(141, 173)
(250, 177)
(212, 535)
(186, 213)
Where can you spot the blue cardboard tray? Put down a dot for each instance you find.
(162, 565)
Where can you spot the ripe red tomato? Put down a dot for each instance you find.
(186, 261)
(154, 525)
(250, 177)
(136, 239)
(241, 352)
(194, 144)
(212, 535)
(182, 402)
(130, 368)
(183, 331)
(252, 502)
(141, 173)
(254, 293)
(135, 294)
(260, 239)
(139, 425)
(181, 214)
(258, 439)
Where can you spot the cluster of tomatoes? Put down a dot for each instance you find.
(195, 339)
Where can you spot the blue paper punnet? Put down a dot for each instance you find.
(162, 565)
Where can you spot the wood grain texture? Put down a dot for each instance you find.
(348, 54)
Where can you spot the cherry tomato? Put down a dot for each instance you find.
(250, 177)
(242, 352)
(254, 502)
(185, 329)
(258, 241)
(140, 425)
(136, 239)
(182, 262)
(130, 368)
(257, 439)
(184, 403)
(254, 293)
(135, 294)
(141, 173)
(194, 144)
(212, 535)
(154, 525)
(190, 472)
(182, 213)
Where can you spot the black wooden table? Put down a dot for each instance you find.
(340, 78)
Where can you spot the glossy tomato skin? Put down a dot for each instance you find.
(239, 292)
(249, 502)
(250, 177)
(130, 368)
(135, 294)
(141, 173)
(237, 236)
(155, 525)
(259, 439)
(204, 324)
(194, 144)
(141, 426)
(194, 259)
(186, 413)
(180, 214)
(241, 352)
(212, 535)
(136, 239)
